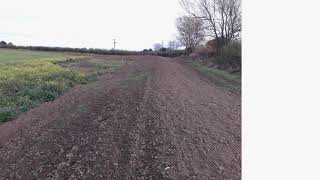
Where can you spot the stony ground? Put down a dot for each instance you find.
(152, 119)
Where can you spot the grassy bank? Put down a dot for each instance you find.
(28, 79)
(230, 82)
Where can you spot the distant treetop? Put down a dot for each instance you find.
(3, 43)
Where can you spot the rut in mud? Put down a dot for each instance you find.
(151, 119)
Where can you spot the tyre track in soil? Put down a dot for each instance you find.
(152, 119)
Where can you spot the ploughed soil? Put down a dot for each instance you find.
(153, 118)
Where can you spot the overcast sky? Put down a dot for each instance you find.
(136, 24)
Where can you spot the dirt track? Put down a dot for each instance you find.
(151, 119)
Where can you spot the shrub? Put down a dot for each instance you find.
(232, 51)
(229, 57)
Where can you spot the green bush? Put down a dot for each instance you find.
(226, 58)
(229, 57)
(232, 50)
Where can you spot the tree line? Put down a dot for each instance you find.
(211, 29)
(216, 20)
(165, 53)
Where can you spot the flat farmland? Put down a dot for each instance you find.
(146, 117)
(16, 55)
(29, 78)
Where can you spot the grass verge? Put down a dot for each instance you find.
(230, 82)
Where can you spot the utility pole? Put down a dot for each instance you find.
(114, 44)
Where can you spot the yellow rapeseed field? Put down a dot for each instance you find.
(25, 84)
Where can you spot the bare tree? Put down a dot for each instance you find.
(222, 18)
(190, 32)
(172, 45)
(157, 46)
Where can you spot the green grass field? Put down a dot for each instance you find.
(29, 78)
(15, 55)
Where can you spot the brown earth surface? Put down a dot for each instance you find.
(153, 118)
